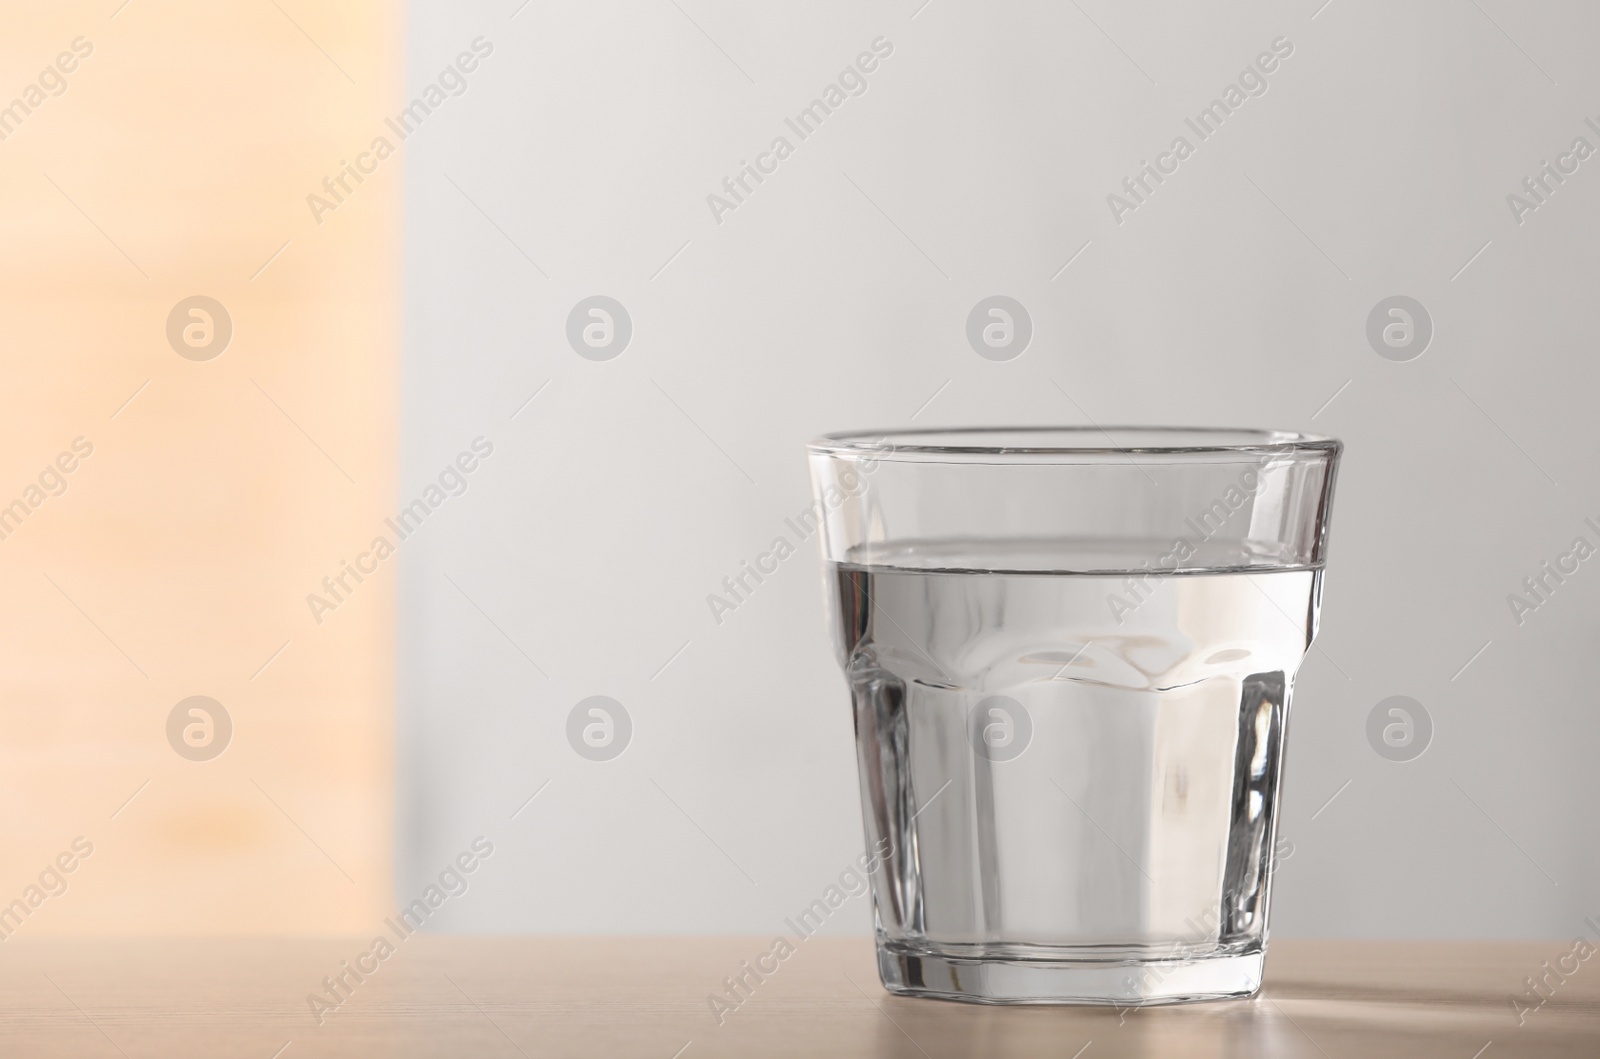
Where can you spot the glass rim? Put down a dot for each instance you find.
(984, 443)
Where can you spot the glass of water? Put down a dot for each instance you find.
(1070, 653)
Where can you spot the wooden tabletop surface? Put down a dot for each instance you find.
(649, 997)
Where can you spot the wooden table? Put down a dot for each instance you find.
(648, 997)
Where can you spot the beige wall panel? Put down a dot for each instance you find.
(176, 162)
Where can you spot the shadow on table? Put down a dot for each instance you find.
(1292, 1019)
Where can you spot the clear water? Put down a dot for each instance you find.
(1127, 810)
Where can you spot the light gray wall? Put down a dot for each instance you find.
(979, 160)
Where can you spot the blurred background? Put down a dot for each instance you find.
(389, 388)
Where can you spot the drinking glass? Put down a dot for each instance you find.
(1070, 653)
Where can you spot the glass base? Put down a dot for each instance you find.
(1124, 983)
